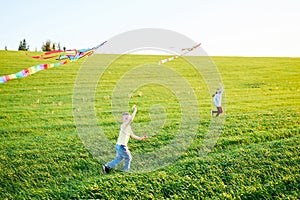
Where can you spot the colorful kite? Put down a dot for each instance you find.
(191, 49)
(187, 50)
(78, 54)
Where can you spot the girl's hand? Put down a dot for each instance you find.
(134, 107)
(144, 137)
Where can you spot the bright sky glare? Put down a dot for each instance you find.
(224, 27)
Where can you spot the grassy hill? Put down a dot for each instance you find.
(256, 156)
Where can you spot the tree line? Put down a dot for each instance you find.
(47, 46)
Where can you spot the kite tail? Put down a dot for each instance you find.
(29, 71)
(167, 60)
(187, 50)
(45, 55)
(192, 48)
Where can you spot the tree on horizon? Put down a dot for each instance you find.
(47, 46)
(23, 46)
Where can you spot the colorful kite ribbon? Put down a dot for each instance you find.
(187, 50)
(71, 54)
(69, 58)
(31, 70)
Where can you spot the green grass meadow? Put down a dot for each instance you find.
(257, 155)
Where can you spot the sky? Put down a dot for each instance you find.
(224, 27)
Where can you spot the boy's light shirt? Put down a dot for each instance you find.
(124, 135)
(217, 100)
(218, 97)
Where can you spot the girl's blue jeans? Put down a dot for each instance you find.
(122, 153)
